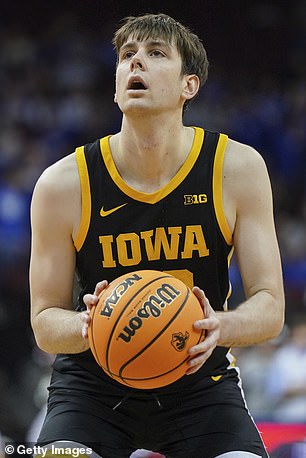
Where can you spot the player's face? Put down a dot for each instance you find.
(148, 77)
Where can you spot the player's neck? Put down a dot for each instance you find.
(149, 155)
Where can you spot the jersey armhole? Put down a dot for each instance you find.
(85, 198)
(217, 189)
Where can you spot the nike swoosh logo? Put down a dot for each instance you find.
(216, 378)
(104, 213)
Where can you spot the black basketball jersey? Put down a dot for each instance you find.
(180, 229)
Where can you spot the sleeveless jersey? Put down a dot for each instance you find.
(181, 229)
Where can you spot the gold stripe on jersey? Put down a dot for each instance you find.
(230, 289)
(154, 197)
(86, 198)
(217, 189)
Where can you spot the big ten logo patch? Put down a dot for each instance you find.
(194, 199)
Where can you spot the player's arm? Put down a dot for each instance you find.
(249, 209)
(261, 316)
(55, 213)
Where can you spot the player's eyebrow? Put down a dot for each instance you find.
(159, 43)
(149, 43)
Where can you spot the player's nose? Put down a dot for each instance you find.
(137, 62)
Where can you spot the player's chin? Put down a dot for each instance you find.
(136, 108)
(140, 106)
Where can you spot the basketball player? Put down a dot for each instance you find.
(165, 196)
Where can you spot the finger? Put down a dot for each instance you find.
(199, 360)
(193, 370)
(100, 287)
(90, 301)
(208, 324)
(199, 293)
(201, 357)
(203, 347)
(195, 363)
(85, 317)
(85, 332)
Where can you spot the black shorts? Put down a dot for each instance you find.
(204, 422)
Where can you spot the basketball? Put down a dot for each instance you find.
(142, 328)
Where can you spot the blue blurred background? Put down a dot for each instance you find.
(57, 82)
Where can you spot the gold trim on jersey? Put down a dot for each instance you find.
(86, 198)
(230, 289)
(154, 197)
(217, 189)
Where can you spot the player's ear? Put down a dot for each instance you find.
(115, 97)
(191, 86)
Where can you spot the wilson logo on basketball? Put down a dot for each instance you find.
(152, 307)
(179, 340)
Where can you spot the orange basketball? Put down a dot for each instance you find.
(142, 327)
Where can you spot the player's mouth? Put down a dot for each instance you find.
(136, 83)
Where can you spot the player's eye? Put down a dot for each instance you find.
(127, 55)
(156, 53)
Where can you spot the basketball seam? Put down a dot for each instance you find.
(153, 340)
(120, 315)
(133, 379)
(159, 375)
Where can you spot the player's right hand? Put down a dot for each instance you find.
(91, 300)
(211, 327)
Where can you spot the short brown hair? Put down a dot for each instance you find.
(188, 44)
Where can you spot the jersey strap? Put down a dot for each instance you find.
(86, 197)
(217, 189)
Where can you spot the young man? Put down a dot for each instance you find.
(156, 195)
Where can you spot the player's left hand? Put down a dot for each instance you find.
(211, 329)
(91, 300)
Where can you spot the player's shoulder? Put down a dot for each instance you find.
(242, 160)
(58, 181)
(245, 175)
(60, 175)
(243, 154)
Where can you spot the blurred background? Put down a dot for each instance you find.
(57, 70)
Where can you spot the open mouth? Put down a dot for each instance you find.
(136, 85)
